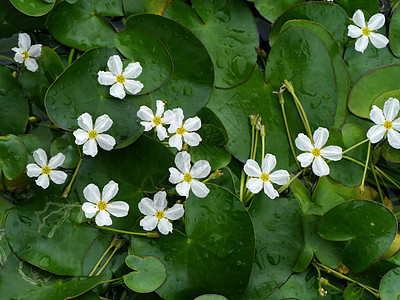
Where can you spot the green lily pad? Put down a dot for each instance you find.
(82, 26)
(394, 32)
(14, 108)
(210, 297)
(227, 30)
(271, 9)
(5, 204)
(350, 6)
(34, 8)
(67, 147)
(368, 227)
(189, 87)
(149, 274)
(77, 91)
(154, 58)
(12, 156)
(353, 292)
(3, 9)
(279, 239)
(389, 287)
(219, 243)
(156, 7)
(390, 154)
(5, 250)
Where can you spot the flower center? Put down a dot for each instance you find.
(120, 79)
(92, 134)
(181, 130)
(25, 54)
(388, 125)
(160, 215)
(187, 177)
(46, 170)
(316, 152)
(157, 121)
(366, 31)
(102, 205)
(264, 177)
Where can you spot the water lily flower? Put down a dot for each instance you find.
(46, 171)
(121, 80)
(366, 31)
(386, 124)
(157, 214)
(90, 136)
(263, 178)
(183, 131)
(27, 53)
(315, 153)
(100, 206)
(186, 176)
(157, 120)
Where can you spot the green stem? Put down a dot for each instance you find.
(253, 156)
(68, 188)
(146, 234)
(354, 146)
(242, 186)
(71, 56)
(101, 259)
(3, 181)
(113, 280)
(284, 187)
(252, 140)
(365, 169)
(107, 261)
(263, 142)
(376, 180)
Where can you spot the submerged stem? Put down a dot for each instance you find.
(355, 146)
(365, 169)
(146, 234)
(68, 188)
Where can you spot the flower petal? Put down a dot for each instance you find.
(106, 141)
(164, 226)
(145, 113)
(396, 124)
(376, 22)
(199, 188)
(161, 132)
(305, 159)
(18, 57)
(103, 123)
(160, 200)
(33, 170)
(40, 157)
(118, 208)
(376, 133)
(268, 163)
(183, 188)
(147, 125)
(200, 169)
(35, 51)
(280, 177)
(391, 109)
(90, 147)
(85, 122)
(320, 137)
(270, 191)
(303, 143)
(174, 125)
(378, 40)
(133, 86)
(254, 185)
(81, 136)
(133, 70)
(332, 152)
(251, 168)
(175, 212)
(58, 177)
(31, 64)
(354, 31)
(114, 64)
(320, 167)
(192, 138)
(160, 108)
(109, 191)
(182, 161)
(92, 193)
(103, 218)
(376, 115)
(106, 78)
(147, 207)
(361, 44)
(394, 138)
(178, 114)
(358, 19)
(24, 41)
(90, 209)
(192, 124)
(175, 176)
(117, 90)
(148, 223)
(56, 161)
(43, 181)
(169, 117)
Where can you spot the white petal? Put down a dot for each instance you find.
(117, 90)
(182, 161)
(305, 159)
(361, 44)
(106, 78)
(40, 157)
(33, 170)
(169, 117)
(160, 200)
(303, 143)
(18, 57)
(81, 136)
(270, 191)
(332, 153)
(174, 126)
(118, 208)
(160, 108)
(35, 50)
(148, 223)
(114, 64)
(109, 191)
(178, 114)
(58, 177)
(320, 137)
(90, 209)
(183, 188)
(133, 70)
(376, 115)
(175, 176)
(90, 148)
(254, 185)
(175, 212)
(133, 86)
(43, 181)
(376, 133)
(17, 50)
(103, 123)
(92, 193)
(280, 177)
(354, 31)
(147, 125)
(200, 169)
(320, 167)
(192, 124)
(161, 132)
(31, 64)
(251, 168)
(103, 218)
(56, 161)
(164, 226)
(378, 40)
(396, 124)
(199, 188)
(24, 41)
(192, 138)
(175, 141)
(391, 109)
(358, 19)
(85, 122)
(145, 113)
(268, 163)
(106, 141)
(394, 138)
(147, 207)
(376, 22)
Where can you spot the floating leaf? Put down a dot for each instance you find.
(33, 8)
(210, 297)
(271, 9)
(389, 287)
(145, 6)
(350, 6)
(12, 156)
(394, 32)
(353, 292)
(68, 148)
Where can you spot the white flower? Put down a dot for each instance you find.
(151, 120)
(157, 214)
(90, 136)
(121, 80)
(46, 171)
(184, 131)
(264, 177)
(99, 203)
(366, 32)
(315, 153)
(186, 176)
(385, 123)
(27, 53)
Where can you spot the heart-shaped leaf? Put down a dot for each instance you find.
(394, 32)
(12, 156)
(33, 8)
(389, 287)
(271, 9)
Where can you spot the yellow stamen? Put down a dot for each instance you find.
(46, 170)
(187, 177)
(102, 205)
(92, 134)
(120, 79)
(160, 215)
(366, 31)
(388, 125)
(264, 177)
(181, 130)
(316, 152)
(157, 121)
(25, 54)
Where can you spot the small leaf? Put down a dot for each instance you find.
(353, 292)
(389, 287)
(12, 156)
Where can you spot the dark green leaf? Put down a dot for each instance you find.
(12, 156)
(390, 285)
(33, 8)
